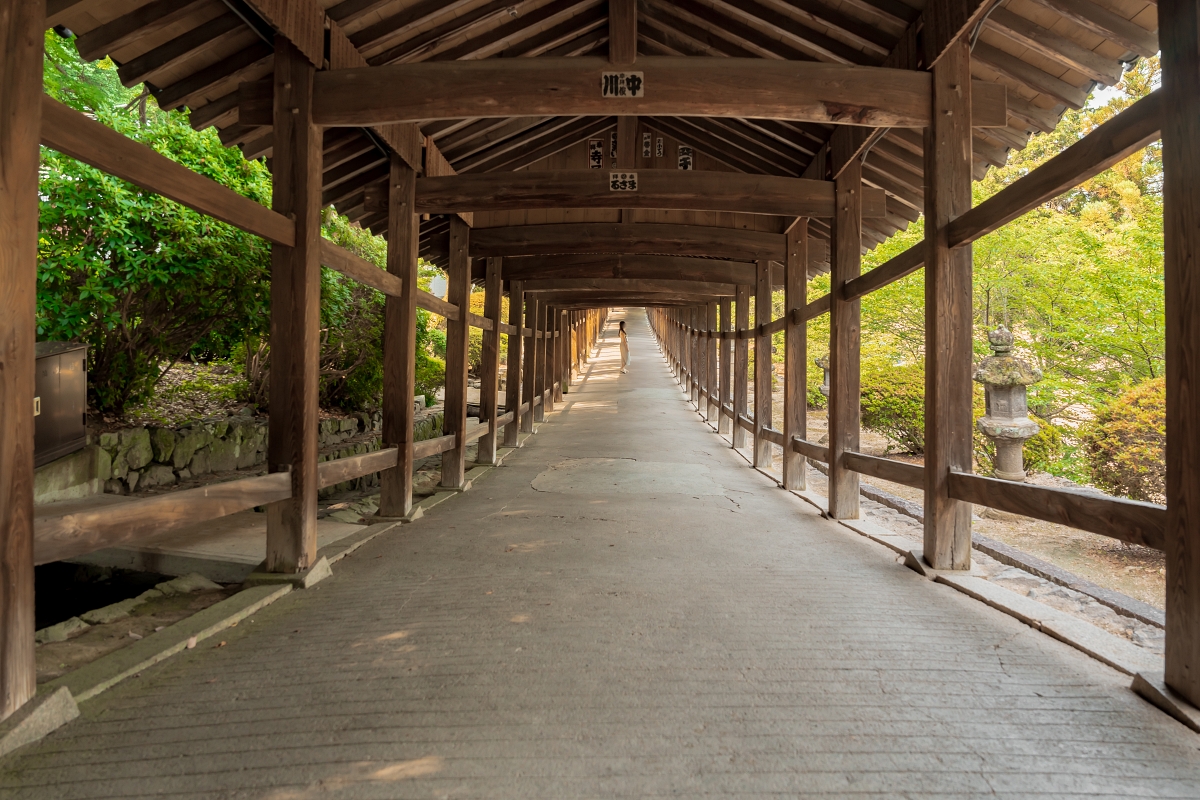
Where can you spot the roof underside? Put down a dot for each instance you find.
(194, 53)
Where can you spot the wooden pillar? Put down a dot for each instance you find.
(844, 343)
(400, 341)
(559, 331)
(539, 378)
(795, 364)
(295, 314)
(726, 367)
(489, 383)
(458, 342)
(548, 370)
(20, 128)
(694, 355)
(710, 371)
(531, 363)
(512, 373)
(948, 318)
(741, 365)
(762, 366)
(1179, 33)
(701, 322)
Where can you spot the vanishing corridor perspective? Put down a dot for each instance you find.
(624, 608)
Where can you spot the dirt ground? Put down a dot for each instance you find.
(1132, 570)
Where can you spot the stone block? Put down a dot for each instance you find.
(135, 445)
(223, 455)
(103, 464)
(157, 475)
(72, 477)
(114, 486)
(111, 613)
(195, 582)
(220, 429)
(38, 717)
(199, 463)
(162, 442)
(184, 474)
(109, 441)
(60, 632)
(120, 466)
(132, 479)
(189, 442)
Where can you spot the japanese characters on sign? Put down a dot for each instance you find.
(596, 153)
(658, 147)
(686, 157)
(622, 84)
(646, 145)
(622, 181)
(612, 147)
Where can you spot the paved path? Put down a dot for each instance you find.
(624, 609)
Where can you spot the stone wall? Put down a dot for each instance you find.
(139, 458)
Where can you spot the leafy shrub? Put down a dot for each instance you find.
(1126, 443)
(893, 403)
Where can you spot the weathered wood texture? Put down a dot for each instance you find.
(886, 469)
(741, 364)
(432, 447)
(806, 91)
(948, 316)
(724, 424)
(811, 450)
(295, 316)
(713, 412)
(1127, 520)
(649, 267)
(763, 372)
(622, 31)
(690, 190)
(890, 271)
(489, 385)
(643, 238)
(70, 132)
(458, 341)
(795, 364)
(1181, 200)
(399, 340)
(21, 32)
(531, 362)
(516, 353)
(844, 343)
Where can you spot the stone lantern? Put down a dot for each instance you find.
(823, 363)
(1006, 421)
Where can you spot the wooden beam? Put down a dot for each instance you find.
(531, 362)
(795, 365)
(71, 133)
(642, 238)
(711, 385)
(693, 190)
(400, 340)
(944, 22)
(1115, 140)
(630, 285)
(948, 315)
(1181, 210)
(20, 116)
(890, 271)
(458, 340)
(146, 20)
(886, 469)
(295, 316)
(1107, 24)
(512, 374)
(844, 344)
(489, 386)
(647, 267)
(523, 87)
(622, 31)
(811, 450)
(725, 367)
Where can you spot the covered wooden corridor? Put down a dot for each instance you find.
(623, 609)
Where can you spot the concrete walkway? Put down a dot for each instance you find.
(624, 609)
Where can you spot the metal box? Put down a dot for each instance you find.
(60, 404)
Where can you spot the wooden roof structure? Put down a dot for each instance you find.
(194, 55)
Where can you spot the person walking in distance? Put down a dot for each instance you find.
(624, 349)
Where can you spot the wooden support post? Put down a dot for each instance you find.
(700, 318)
(295, 315)
(762, 367)
(741, 365)
(694, 355)
(539, 377)
(400, 341)
(685, 349)
(948, 315)
(1179, 32)
(844, 343)
(710, 371)
(458, 342)
(512, 372)
(21, 38)
(531, 363)
(551, 356)
(726, 368)
(795, 364)
(489, 384)
(564, 355)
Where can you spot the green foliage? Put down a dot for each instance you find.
(140, 278)
(1126, 443)
(893, 403)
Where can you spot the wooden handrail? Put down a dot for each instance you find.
(886, 469)
(745, 422)
(810, 450)
(432, 447)
(1127, 520)
(890, 271)
(436, 305)
(773, 436)
(331, 473)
